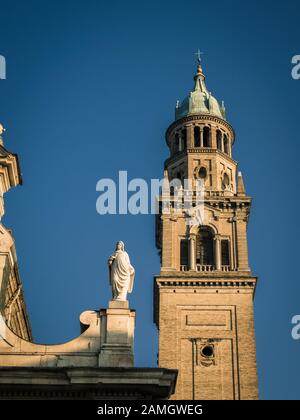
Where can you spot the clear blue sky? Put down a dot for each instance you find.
(90, 90)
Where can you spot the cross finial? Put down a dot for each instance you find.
(198, 54)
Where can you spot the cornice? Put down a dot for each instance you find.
(206, 282)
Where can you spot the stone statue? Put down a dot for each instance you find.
(121, 273)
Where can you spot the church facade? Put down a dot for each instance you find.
(12, 303)
(203, 296)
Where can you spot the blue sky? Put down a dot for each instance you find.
(91, 88)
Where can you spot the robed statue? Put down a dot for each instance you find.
(121, 273)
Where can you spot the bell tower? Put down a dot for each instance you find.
(203, 296)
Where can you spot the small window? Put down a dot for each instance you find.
(184, 249)
(197, 136)
(176, 143)
(225, 252)
(183, 138)
(226, 147)
(219, 140)
(206, 137)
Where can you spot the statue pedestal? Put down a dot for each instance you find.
(117, 334)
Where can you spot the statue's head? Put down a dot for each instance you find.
(120, 246)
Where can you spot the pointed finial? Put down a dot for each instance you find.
(166, 184)
(240, 185)
(2, 129)
(223, 109)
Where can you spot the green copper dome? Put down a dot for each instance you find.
(199, 101)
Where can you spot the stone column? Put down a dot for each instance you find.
(117, 334)
(192, 253)
(242, 246)
(189, 136)
(4, 278)
(229, 147)
(167, 243)
(201, 135)
(231, 254)
(213, 134)
(234, 262)
(218, 252)
(222, 143)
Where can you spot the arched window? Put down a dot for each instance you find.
(206, 137)
(176, 143)
(197, 136)
(219, 140)
(205, 247)
(183, 138)
(226, 145)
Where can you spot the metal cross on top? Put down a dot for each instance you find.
(198, 54)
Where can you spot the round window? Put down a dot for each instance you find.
(207, 351)
(202, 172)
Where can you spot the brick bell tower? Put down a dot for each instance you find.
(203, 296)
